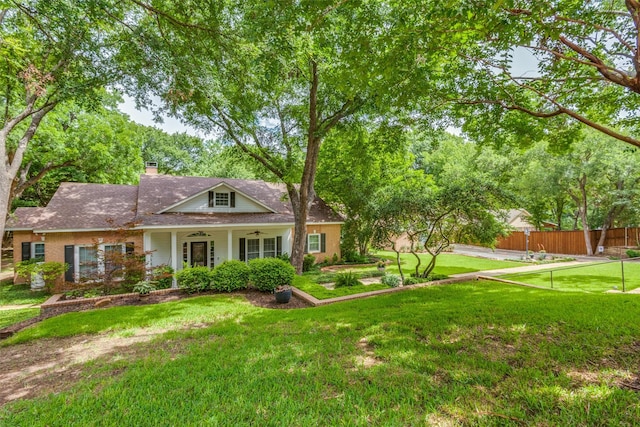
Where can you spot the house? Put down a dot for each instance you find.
(518, 220)
(174, 220)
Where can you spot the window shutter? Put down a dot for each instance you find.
(243, 243)
(212, 196)
(278, 245)
(232, 199)
(323, 242)
(129, 248)
(306, 245)
(26, 251)
(69, 259)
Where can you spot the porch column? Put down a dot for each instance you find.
(146, 247)
(174, 257)
(229, 245)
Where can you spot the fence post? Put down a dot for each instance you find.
(551, 277)
(622, 270)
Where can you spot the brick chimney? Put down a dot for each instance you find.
(151, 168)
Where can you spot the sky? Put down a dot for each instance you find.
(145, 117)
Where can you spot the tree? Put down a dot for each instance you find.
(355, 162)
(434, 216)
(99, 145)
(277, 77)
(50, 52)
(588, 68)
(182, 154)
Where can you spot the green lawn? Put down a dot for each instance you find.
(598, 277)
(11, 294)
(306, 284)
(446, 263)
(477, 353)
(9, 317)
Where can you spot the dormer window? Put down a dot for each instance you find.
(222, 199)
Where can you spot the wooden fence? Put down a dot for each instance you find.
(571, 242)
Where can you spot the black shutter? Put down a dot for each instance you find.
(232, 199)
(323, 242)
(306, 244)
(69, 259)
(243, 243)
(212, 196)
(129, 248)
(26, 251)
(278, 245)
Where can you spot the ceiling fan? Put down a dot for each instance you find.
(257, 233)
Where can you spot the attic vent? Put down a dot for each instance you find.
(151, 168)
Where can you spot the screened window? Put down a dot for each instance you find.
(269, 250)
(253, 249)
(222, 199)
(313, 241)
(38, 251)
(113, 257)
(87, 261)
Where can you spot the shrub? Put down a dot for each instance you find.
(633, 253)
(144, 287)
(49, 271)
(430, 278)
(163, 276)
(308, 262)
(414, 280)
(391, 280)
(347, 279)
(285, 257)
(194, 279)
(231, 275)
(269, 273)
(335, 259)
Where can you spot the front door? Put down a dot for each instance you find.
(198, 254)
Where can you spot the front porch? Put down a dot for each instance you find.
(210, 246)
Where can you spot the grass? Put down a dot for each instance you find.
(307, 284)
(477, 353)
(596, 277)
(9, 317)
(446, 263)
(11, 294)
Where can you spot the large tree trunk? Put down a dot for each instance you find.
(582, 211)
(10, 161)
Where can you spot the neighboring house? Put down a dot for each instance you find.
(518, 220)
(175, 220)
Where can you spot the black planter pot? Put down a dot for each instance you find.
(283, 297)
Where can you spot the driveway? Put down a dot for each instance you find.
(503, 254)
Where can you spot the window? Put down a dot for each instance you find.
(269, 249)
(222, 199)
(313, 242)
(87, 261)
(113, 258)
(37, 251)
(253, 249)
(185, 253)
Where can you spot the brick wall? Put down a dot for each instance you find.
(332, 236)
(54, 243)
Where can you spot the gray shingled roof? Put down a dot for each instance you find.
(95, 206)
(81, 207)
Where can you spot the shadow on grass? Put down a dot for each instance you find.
(473, 353)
